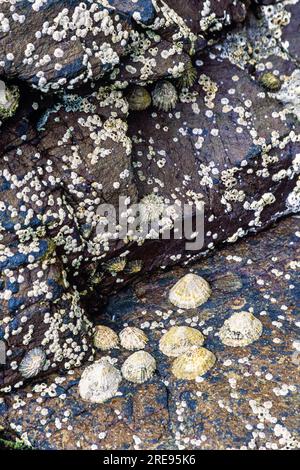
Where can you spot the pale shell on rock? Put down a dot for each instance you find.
(164, 96)
(99, 382)
(190, 291)
(179, 339)
(193, 364)
(241, 329)
(32, 363)
(133, 338)
(139, 367)
(105, 338)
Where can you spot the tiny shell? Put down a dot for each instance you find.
(139, 367)
(190, 292)
(32, 363)
(138, 98)
(99, 382)
(164, 96)
(188, 78)
(192, 364)
(241, 329)
(132, 338)
(105, 338)
(179, 339)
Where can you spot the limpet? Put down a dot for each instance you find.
(179, 339)
(99, 382)
(194, 363)
(190, 291)
(105, 338)
(132, 338)
(241, 329)
(139, 367)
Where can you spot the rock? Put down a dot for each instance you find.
(228, 143)
(247, 388)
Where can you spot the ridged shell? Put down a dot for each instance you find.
(9, 100)
(270, 81)
(190, 292)
(180, 339)
(116, 265)
(188, 77)
(139, 367)
(138, 98)
(105, 338)
(32, 363)
(164, 96)
(134, 267)
(99, 382)
(241, 329)
(132, 338)
(193, 364)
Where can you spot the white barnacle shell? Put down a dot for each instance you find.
(190, 291)
(99, 382)
(105, 338)
(241, 329)
(164, 96)
(179, 339)
(32, 363)
(132, 338)
(193, 364)
(139, 367)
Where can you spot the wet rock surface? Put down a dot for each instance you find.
(248, 400)
(229, 142)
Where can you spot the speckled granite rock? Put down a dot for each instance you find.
(229, 142)
(248, 400)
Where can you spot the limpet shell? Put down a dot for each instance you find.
(270, 81)
(116, 265)
(138, 98)
(241, 329)
(139, 367)
(32, 363)
(190, 291)
(192, 364)
(188, 78)
(132, 338)
(105, 338)
(9, 100)
(164, 96)
(179, 339)
(134, 267)
(99, 382)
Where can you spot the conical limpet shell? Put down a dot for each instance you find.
(139, 367)
(179, 339)
(190, 291)
(105, 338)
(194, 363)
(241, 329)
(99, 382)
(138, 98)
(32, 363)
(132, 338)
(164, 96)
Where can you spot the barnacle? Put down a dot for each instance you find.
(9, 100)
(241, 329)
(270, 81)
(191, 291)
(179, 339)
(164, 96)
(99, 382)
(192, 364)
(151, 207)
(32, 363)
(139, 367)
(105, 338)
(138, 98)
(132, 338)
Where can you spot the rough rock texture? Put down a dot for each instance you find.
(229, 143)
(250, 399)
